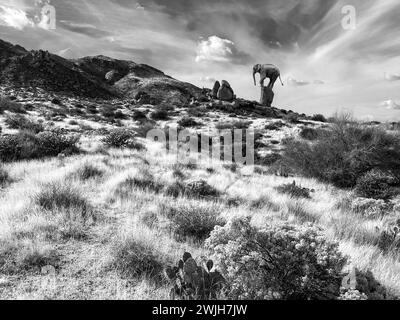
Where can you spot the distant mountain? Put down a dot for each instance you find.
(94, 77)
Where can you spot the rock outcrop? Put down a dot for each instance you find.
(214, 93)
(267, 96)
(225, 92)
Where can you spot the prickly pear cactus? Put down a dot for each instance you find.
(193, 282)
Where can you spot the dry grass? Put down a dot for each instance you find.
(103, 222)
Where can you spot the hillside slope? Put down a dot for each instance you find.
(94, 77)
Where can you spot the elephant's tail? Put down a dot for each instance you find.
(281, 80)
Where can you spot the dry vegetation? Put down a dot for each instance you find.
(103, 214)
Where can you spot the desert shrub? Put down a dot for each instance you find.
(73, 122)
(72, 210)
(231, 167)
(200, 189)
(264, 203)
(175, 189)
(4, 176)
(58, 196)
(108, 111)
(25, 255)
(389, 236)
(319, 118)
(143, 181)
(344, 155)
(178, 171)
(187, 122)
(210, 170)
(275, 126)
(234, 201)
(92, 109)
(279, 262)
(22, 123)
(27, 145)
(361, 285)
(134, 258)
(351, 228)
(294, 191)
(12, 106)
(146, 181)
(159, 114)
(149, 219)
(88, 171)
(239, 124)
(377, 184)
(122, 138)
(192, 189)
(371, 208)
(139, 116)
(268, 159)
(143, 129)
(52, 143)
(192, 219)
(198, 112)
(292, 118)
(119, 115)
(297, 209)
(56, 101)
(309, 134)
(85, 127)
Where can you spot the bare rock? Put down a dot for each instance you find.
(215, 89)
(225, 92)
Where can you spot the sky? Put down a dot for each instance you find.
(334, 55)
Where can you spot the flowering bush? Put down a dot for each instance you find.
(371, 208)
(279, 262)
(353, 295)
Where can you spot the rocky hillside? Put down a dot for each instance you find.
(94, 77)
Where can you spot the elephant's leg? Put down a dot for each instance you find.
(272, 82)
(262, 79)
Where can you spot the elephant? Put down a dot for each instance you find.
(267, 71)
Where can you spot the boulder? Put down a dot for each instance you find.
(112, 76)
(214, 93)
(267, 96)
(225, 92)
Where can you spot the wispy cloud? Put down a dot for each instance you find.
(391, 105)
(301, 83)
(297, 83)
(208, 80)
(84, 28)
(15, 18)
(392, 76)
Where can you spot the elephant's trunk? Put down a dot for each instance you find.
(254, 77)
